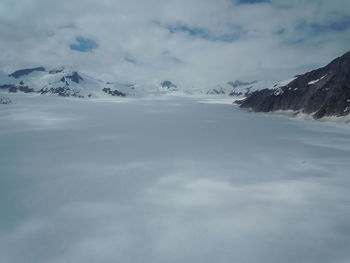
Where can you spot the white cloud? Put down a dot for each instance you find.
(38, 32)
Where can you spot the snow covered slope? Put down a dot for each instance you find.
(240, 88)
(62, 82)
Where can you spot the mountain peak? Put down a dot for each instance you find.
(168, 85)
(75, 77)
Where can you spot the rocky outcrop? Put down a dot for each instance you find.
(19, 73)
(75, 77)
(114, 92)
(63, 91)
(216, 91)
(168, 85)
(7, 87)
(16, 88)
(55, 71)
(321, 92)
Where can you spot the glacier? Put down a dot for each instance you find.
(169, 179)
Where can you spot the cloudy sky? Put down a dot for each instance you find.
(191, 42)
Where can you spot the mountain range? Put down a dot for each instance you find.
(320, 93)
(62, 82)
(72, 83)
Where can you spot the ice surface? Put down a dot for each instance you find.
(169, 179)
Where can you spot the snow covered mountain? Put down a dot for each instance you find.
(240, 88)
(62, 82)
(321, 93)
(164, 88)
(167, 85)
(71, 83)
(237, 88)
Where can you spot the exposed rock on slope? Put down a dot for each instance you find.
(22, 72)
(321, 92)
(168, 86)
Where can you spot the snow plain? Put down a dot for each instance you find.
(169, 179)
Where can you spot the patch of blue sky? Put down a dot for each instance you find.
(204, 34)
(281, 31)
(84, 45)
(130, 60)
(340, 25)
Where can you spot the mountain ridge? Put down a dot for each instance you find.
(62, 82)
(320, 93)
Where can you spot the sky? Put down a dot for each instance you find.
(190, 42)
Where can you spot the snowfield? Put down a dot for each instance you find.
(316, 80)
(169, 179)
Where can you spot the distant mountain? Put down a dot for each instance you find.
(321, 92)
(239, 88)
(168, 86)
(61, 82)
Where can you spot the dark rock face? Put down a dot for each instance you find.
(239, 93)
(25, 89)
(6, 86)
(216, 92)
(19, 73)
(321, 92)
(168, 85)
(63, 91)
(114, 92)
(55, 71)
(234, 93)
(75, 77)
(14, 89)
